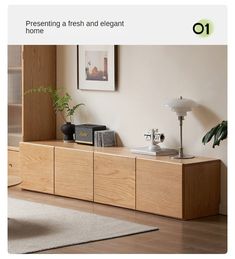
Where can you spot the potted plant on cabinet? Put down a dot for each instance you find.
(61, 105)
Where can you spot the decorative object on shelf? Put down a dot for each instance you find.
(154, 149)
(61, 105)
(219, 132)
(105, 138)
(96, 69)
(68, 129)
(181, 106)
(84, 133)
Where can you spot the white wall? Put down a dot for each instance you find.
(147, 76)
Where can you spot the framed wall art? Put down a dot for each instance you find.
(96, 67)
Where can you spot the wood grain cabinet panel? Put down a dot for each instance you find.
(159, 188)
(201, 189)
(183, 189)
(39, 69)
(114, 180)
(37, 167)
(74, 173)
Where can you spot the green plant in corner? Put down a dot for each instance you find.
(61, 103)
(219, 132)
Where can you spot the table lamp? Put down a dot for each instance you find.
(181, 106)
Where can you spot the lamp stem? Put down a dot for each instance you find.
(181, 154)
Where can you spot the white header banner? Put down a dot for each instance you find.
(157, 25)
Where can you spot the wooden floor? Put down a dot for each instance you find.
(205, 235)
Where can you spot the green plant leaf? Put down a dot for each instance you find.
(60, 102)
(217, 136)
(210, 134)
(75, 107)
(219, 132)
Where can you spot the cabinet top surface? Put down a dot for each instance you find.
(59, 143)
(168, 159)
(120, 151)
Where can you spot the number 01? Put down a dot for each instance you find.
(199, 28)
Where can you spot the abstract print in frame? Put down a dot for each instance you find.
(96, 67)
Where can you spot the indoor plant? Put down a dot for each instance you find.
(219, 132)
(61, 105)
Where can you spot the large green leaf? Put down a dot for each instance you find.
(210, 134)
(219, 132)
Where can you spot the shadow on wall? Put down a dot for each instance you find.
(206, 116)
(85, 115)
(119, 142)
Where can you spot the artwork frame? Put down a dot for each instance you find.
(96, 67)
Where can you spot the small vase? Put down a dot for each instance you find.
(68, 129)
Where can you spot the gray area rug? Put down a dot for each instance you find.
(34, 227)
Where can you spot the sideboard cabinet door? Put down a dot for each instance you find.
(74, 173)
(114, 180)
(37, 167)
(159, 188)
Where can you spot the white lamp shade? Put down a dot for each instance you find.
(181, 105)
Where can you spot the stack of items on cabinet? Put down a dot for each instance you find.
(95, 135)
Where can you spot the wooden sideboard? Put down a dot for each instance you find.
(184, 189)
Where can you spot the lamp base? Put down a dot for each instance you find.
(182, 156)
(154, 152)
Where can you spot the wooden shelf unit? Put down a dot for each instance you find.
(19, 105)
(14, 69)
(31, 66)
(30, 117)
(183, 189)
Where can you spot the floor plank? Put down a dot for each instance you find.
(205, 235)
